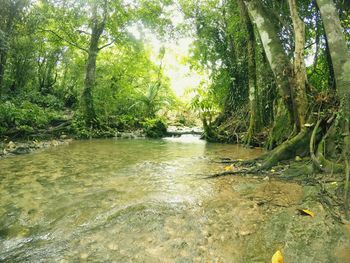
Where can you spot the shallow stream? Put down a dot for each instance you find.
(149, 201)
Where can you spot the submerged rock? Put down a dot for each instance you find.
(176, 130)
(21, 150)
(130, 135)
(18, 148)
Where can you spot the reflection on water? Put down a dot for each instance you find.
(185, 138)
(130, 201)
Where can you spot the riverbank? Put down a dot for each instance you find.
(24, 147)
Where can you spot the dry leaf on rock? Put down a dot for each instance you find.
(277, 257)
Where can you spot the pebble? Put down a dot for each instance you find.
(112, 246)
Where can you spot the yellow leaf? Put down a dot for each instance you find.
(306, 212)
(228, 168)
(277, 257)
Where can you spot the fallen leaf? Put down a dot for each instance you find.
(277, 257)
(306, 212)
(228, 168)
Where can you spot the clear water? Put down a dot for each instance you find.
(135, 201)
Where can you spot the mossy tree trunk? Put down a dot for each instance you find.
(340, 56)
(299, 81)
(253, 120)
(338, 51)
(98, 25)
(290, 79)
(275, 54)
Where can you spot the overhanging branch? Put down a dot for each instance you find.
(107, 45)
(64, 39)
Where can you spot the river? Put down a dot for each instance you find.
(148, 201)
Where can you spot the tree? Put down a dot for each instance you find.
(97, 24)
(253, 120)
(340, 56)
(9, 14)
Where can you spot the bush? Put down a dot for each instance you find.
(123, 122)
(81, 131)
(79, 128)
(24, 116)
(154, 128)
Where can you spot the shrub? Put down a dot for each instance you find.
(154, 128)
(25, 116)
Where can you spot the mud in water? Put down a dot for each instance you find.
(148, 201)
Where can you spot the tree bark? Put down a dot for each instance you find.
(278, 60)
(299, 91)
(251, 72)
(338, 51)
(90, 73)
(340, 56)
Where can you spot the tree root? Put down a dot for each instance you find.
(240, 162)
(284, 151)
(327, 165)
(242, 171)
(314, 158)
(287, 150)
(303, 143)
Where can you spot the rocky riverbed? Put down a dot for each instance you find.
(16, 148)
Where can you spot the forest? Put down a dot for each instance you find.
(276, 78)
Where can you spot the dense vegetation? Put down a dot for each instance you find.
(73, 67)
(279, 75)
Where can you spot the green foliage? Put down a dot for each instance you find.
(45, 65)
(79, 128)
(154, 128)
(220, 48)
(25, 117)
(124, 122)
(204, 102)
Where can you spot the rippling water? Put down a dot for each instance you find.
(133, 201)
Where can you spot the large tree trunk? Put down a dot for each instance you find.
(299, 91)
(278, 60)
(251, 72)
(90, 73)
(341, 65)
(339, 52)
(340, 56)
(290, 80)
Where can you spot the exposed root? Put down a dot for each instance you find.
(283, 152)
(242, 171)
(314, 158)
(240, 162)
(327, 165)
(287, 150)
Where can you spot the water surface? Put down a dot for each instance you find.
(141, 201)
